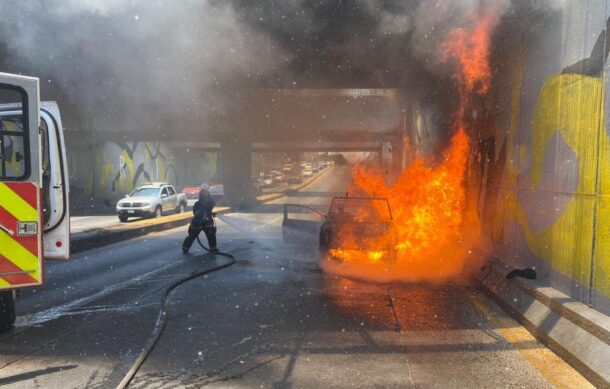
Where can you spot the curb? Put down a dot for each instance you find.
(92, 239)
(577, 333)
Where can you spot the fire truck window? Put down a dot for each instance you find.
(14, 149)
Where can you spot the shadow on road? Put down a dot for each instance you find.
(33, 374)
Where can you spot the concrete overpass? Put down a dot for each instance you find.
(262, 121)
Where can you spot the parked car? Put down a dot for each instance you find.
(151, 200)
(278, 176)
(217, 191)
(307, 172)
(295, 178)
(192, 191)
(267, 181)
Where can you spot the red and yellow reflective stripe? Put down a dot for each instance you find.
(19, 200)
(19, 256)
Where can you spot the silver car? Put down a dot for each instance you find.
(151, 200)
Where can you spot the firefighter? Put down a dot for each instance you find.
(203, 220)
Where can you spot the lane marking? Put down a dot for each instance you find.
(554, 369)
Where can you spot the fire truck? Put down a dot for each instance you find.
(34, 191)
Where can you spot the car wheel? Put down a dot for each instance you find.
(158, 212)
(123, 219)
(181, 208)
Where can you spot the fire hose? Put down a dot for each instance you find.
(162, 317)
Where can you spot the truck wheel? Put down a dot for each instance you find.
(123, 219)
(7, 310)
(158, 212)
(181, 208)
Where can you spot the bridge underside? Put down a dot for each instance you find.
(288, 121)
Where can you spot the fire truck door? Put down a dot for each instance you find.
(20, 183)
(55, 188)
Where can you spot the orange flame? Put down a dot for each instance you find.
(430, 238)
(470, 48)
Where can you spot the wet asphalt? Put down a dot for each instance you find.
(273, 320)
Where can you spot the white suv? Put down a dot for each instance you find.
(151, 200)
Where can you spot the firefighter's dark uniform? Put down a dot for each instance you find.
(203, 219)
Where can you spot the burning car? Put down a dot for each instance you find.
(354, 228)
(358, 228)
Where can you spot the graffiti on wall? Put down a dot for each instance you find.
(125, 165)
(544, 188)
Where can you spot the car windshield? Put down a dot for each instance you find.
(145, 192)
(362, 209)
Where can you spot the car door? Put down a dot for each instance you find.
(165, 200)
(301, 224)
(55, 194)
(20, 183)
(173, 198)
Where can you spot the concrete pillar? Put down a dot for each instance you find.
(236, 155)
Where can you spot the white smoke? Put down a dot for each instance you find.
(121, 61)
(135, 58)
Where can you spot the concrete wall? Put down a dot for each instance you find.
(541, 157)
(102, 173)
(194, 167)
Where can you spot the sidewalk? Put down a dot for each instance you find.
(577, 333)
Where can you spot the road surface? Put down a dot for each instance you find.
(273, 320)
